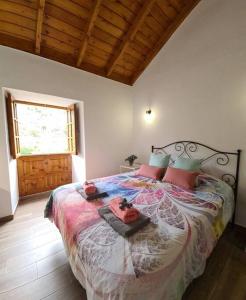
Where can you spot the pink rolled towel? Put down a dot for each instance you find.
(127, 215)
(89, 188)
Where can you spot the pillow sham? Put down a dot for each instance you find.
(159, 160)
(151, 172)
(182, 178)
(188, 164)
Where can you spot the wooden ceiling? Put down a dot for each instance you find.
(116, 39)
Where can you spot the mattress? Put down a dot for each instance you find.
(160, 260)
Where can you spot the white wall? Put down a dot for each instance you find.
(197, 86)
(107, 109)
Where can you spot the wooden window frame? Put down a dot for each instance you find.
(13, 127)
(72, 124)
(13, 132)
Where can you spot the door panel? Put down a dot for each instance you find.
(40, 173)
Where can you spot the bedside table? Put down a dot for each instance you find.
(127, 168)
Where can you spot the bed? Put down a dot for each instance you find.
(160, 260)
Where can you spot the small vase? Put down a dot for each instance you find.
(131, 163)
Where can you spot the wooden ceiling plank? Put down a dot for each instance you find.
(176, 4)
(120, 69)
(97, 44)
(58, 45)
(17, 20)
(127, 65)
(137, 47)
(130, 34)
(95, 60)
(28, 4)
(109, 28)
(40, 18)
(89, 28)
(64, 16)
(85, 3)
(18, 9)
(16, 42)
(113, 18)
(119, 9)
(104, 36)
(167, 9)
(153, 24)
(59, 35)
(134, 53)
(101, 72)
(147, 43)
(159, 16)
(128, 59)
(56, 55)
(148, 32)
(63, 27)
(133, 6)
(165, 37)
(101, 45)
(17, 31)
(98, 52)
(72, 8)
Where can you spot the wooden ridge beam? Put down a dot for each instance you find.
(130, 34)
(40, 18)
(165, 37)
(89, 28)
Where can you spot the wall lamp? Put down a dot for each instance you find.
(149, 116)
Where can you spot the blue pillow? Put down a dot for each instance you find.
(159, 160)
(188, 164)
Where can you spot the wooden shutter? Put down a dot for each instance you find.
(72, 126)
(13, 129)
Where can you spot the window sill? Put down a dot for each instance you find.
(44, 154)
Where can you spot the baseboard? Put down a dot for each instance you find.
(6, 218)
(36, 196)
(240, 228)
(241, 225)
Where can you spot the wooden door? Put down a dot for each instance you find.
(40, 173)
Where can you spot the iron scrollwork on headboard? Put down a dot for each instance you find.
(221, 159)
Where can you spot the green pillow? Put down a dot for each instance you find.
(188, 164)
(159, 160)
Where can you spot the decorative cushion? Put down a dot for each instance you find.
(182, 178)
(151, 172)
(188, 164)
(159, 160)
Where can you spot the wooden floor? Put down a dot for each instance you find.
(33, 264)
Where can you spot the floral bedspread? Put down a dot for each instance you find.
(160, 260)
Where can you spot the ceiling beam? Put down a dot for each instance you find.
(130, 34)
(190, 4)
(89, 27)
(40, 18)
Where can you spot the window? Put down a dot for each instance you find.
(40, 128)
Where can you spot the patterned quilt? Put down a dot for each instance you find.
(160, 260)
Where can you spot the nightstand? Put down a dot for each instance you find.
(127, 168)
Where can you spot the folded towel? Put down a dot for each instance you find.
(91, 197)
(119, 207)
(123, 229)
(89, 188)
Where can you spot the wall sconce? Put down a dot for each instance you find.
(149, 116)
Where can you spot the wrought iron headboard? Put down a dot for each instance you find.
(225, 163)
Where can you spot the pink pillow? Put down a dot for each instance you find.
(151, 172)
(182, 178)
